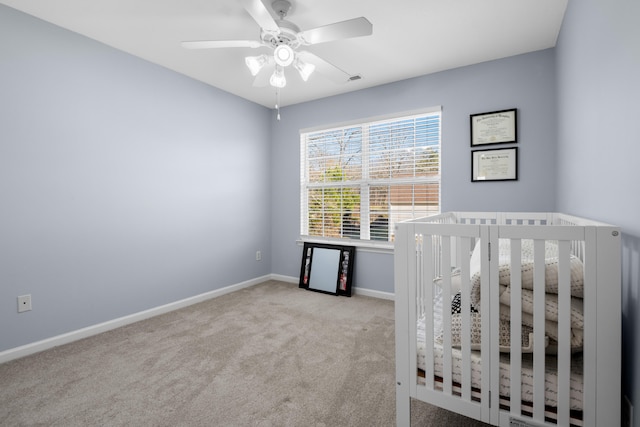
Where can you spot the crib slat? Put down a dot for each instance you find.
(427, 259)
(492, 306)
(564, 333)
(539, 386)
(516, 326)
(464, 254)
(415, 279)
(446, 315)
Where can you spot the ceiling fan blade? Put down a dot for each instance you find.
(326, 68)
(356, 27)
(261, 15)
(214, 44)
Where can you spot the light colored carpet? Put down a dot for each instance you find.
(269, 355)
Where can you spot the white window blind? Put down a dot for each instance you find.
(358, 180)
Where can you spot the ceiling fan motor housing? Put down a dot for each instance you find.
(288, 35)
(288, 31)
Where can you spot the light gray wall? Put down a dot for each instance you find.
(525, 82)
(123, 186)
(598, 57)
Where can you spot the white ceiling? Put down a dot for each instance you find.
(410, 37)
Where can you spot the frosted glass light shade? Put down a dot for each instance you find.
(255, 63)
(304, 68)
(277, 78)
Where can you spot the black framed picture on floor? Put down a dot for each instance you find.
(327, 268)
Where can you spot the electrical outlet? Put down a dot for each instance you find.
(24, 303)
(258, 255)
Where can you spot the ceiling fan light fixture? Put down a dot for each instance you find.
(304, 68)
(283, 55)
(255, 63)
(277, 78)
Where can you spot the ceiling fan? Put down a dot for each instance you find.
(285, 38)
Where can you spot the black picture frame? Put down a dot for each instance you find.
(327, 268)
(494, 127)
(494, 165)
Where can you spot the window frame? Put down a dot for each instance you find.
(365, 182)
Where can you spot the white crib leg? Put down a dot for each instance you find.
(403, 406)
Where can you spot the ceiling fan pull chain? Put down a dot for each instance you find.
(278, 103)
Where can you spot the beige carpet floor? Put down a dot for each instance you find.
(268, 355)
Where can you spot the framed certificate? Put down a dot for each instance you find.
(494, 165)
(496, 127)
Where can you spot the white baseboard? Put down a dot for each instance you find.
(288, 279)
(38, 346)
(373, 293)
(356, 289)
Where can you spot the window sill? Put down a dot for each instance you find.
(361, 245)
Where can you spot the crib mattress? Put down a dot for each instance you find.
(551, 374)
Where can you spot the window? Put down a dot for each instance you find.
(358, 180)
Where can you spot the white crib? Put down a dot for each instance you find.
(475, 291)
